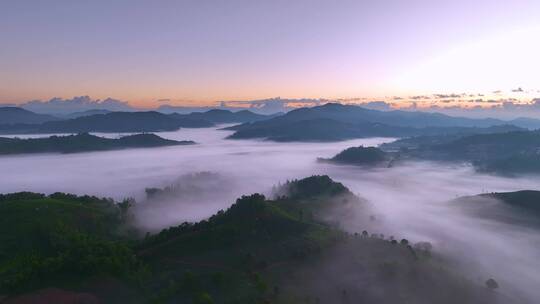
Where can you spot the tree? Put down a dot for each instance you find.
(124, 206)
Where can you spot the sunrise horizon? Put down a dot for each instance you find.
(184, 53)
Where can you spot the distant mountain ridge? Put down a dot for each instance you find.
(15, 115)
(355, 114)
(329, 122)
(110, 122)
(333, 122)
(150, 121)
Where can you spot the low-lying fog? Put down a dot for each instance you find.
(408, 201)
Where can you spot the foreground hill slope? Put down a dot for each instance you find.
(259, 250)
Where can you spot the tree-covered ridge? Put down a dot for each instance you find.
(83, 142)
(362, 156)
(259, 250)
(62, 239)
(502, 153)
(316, 186)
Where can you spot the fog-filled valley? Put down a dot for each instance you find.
(415, 200)
(269, 152)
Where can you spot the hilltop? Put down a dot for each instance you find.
(360, 156)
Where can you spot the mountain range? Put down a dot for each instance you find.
(15, 115)
(103, 121)
(332, 122)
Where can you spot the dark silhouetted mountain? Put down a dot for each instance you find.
(15, 115)
(82, 143)
(333, 122)
(111, 122)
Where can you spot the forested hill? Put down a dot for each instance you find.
(257, 251)
(82, 143)
(502, 153)
(360, 156)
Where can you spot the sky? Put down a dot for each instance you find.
(200, 52)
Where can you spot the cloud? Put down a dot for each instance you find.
(76, 104)
(377, 105)
(453, 95)
(504, 108)
(420, 97)
(274, 105)
(262, 106)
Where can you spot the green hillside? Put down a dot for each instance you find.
(259, 250)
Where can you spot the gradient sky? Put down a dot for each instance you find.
(203, 51)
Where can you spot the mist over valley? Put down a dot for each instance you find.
(269, 152)
(413, 199)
